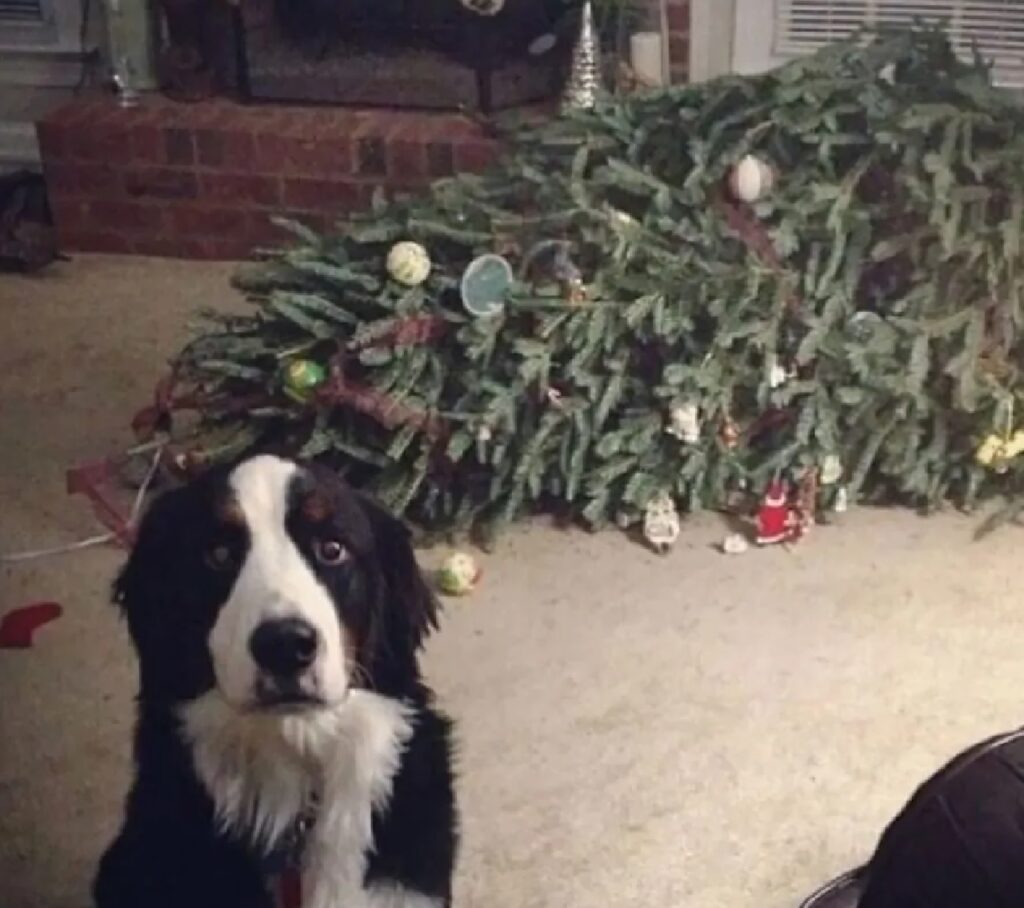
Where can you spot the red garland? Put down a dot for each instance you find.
(93, 480)
(389, 412)
(417, 329)
(166, 401)
(751, 231)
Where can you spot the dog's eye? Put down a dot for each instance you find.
(220, 557)
(330, 552)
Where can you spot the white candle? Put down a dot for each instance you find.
(645, 57)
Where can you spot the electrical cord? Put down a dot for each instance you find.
(88, 57)
(140, 496)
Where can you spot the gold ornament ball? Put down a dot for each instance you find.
(729, 433)
(751, 179)
(458, 575)
(574, 292)
(408, 263)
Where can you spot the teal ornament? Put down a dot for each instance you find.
(485, 284)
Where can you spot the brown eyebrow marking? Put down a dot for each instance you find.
(229, 511)
(316, 507)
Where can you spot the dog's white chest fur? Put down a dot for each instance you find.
(262, 770)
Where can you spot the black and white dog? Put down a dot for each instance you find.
(282, 721)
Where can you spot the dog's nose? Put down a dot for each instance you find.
(284, 646)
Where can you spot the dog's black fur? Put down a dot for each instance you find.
(170, 852)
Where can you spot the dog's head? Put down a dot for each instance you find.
(277, 585)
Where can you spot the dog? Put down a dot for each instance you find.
(284, 737)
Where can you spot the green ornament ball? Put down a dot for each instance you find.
(458, 575)
(303, 375)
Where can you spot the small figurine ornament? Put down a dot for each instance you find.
(661, 522)
(735, 544)
(684, 423)
(831, 469)
(777, 521)
(550, 261)
(569, 277)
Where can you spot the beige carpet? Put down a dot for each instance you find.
(696, 730)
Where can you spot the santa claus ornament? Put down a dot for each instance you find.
(777, 519)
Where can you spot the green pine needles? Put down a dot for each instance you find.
(869, 306)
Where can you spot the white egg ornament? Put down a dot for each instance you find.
(408, 263)
(751, 179)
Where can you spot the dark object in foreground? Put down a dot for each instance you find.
(28, 240)
(843, 892)
(957, 843)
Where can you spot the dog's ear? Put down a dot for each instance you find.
(411, 607)
(149, 582)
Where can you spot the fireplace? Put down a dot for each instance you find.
(442, 54)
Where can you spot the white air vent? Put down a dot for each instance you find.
(22, 11)
(994, 27)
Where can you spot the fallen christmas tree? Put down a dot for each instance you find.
(859, 324)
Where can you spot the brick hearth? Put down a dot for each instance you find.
(201, 180)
